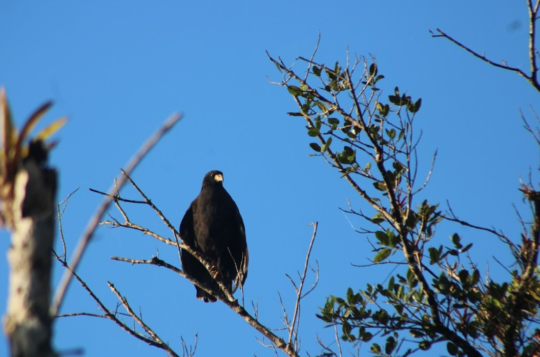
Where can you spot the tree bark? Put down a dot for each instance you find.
(27, 323)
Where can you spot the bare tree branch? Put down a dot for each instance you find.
(94, 221)
(532, 78)
(154, 337)
(153, 340)
(295, 323)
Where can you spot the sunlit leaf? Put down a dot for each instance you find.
(326, 145)
(51, 129)
(32, 121)
(382, 255)
(373, 70)
(375, 348)
(7, 124)
(294, 90)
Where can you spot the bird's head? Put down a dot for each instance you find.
(213, 178)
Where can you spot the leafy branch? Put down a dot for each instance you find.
(368, 139)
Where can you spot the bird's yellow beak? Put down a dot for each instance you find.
(218, 177)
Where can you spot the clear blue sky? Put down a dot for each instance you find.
(118, 69)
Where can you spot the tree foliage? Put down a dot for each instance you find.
(439, 296)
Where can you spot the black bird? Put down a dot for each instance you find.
(213, 227)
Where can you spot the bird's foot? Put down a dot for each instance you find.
(214, 271)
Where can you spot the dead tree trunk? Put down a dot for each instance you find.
(27, 323)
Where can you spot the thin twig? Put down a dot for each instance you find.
(94, 221)
(82, 314)
(231, 303)
(453, 218)
(116, 197)
(160, 214)
(59, 218)
(302, 280)
(137, 319)
(532, 56)
(107, 313)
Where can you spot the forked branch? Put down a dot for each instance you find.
(533, 54)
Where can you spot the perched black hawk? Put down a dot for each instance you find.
(214, 227)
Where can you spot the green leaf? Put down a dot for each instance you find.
(382, 255)
(394, 239)
(321, 106)
(316, 71)
(382, 237)
(463, 276)
(350, 296)
(333, 122)
(424, 345)
(411, 279)
(375, 348)
(313, 131)
(326, 145)
(466, 248)
(294, 90)
(367, 336)
(377, 218)
(380, 185)
(475, 277)
(456, 240)
(315, 147)
(391, 133)
(373, 70)
(295, 114)
(413, 108)
(368, 166)
(434, 255)
(346, 329)
(394, 99)
(391, 283)
(391, 344)
(347, 156)
(451, 348)
(331, 75)
(398, 166)
(383, 109)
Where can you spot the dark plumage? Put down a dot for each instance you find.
(214, 227)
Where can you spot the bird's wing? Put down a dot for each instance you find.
(187, 233)
(241, 277)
